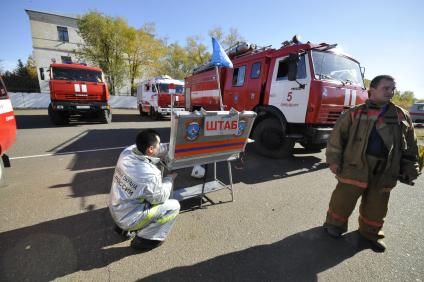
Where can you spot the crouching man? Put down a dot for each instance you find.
(139, 198)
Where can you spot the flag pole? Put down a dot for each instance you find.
(221, 104)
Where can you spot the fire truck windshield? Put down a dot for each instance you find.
(76, 74)
(164, 88)
(336, 67)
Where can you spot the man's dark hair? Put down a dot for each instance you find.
(145, 139)
(376, 80)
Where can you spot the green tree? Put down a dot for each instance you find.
(226, 40)
(105, 44)
(197, 52)
(180, 61)
(144, 52)
(175, 63)
(367, 83)
(404, 99)
(23, 78)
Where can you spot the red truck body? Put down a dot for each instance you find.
(301, 107)
(7, 129)
(78, 91)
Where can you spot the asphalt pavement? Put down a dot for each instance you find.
(55, 225)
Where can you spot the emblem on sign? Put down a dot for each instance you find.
(241, 127)
(192, 130)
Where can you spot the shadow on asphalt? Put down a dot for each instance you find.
(42, 121)
(299, 257)
(56, 248)
(94, 170)
(101, 138)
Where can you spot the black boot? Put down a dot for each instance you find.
(141, 244)
(377, 246)
(125, 234)
(332, 231)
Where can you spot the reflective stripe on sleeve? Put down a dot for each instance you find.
(147, 219)
(360, 184)
(166, 218)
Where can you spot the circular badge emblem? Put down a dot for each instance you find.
(241, 127)
(192, 131)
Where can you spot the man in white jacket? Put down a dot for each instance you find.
(139, 197)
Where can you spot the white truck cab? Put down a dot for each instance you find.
(158, 96)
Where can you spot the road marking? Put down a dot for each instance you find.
(67, 153)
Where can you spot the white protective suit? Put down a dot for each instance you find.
(139, 198)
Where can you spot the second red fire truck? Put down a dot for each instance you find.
(298, 91)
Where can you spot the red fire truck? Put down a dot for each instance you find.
(298, 91)
(77, 90)
(154, 96)
(7, 129)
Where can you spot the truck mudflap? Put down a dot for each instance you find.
(315, 138)
(77, 107)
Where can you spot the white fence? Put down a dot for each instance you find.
(41, 101)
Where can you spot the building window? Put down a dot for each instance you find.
(62, 33)
(256, 70)
(238, 76)
(66, 59)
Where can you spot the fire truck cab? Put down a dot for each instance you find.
(155, 96)
(77, 90)
(298, 92)
(7, 129)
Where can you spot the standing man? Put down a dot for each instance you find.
(371, 146)
(139, 198)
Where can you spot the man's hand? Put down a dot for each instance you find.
(173, 175)
(335, 168)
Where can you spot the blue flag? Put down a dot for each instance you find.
(219, 57)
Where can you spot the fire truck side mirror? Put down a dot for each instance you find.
(42, 73)
(293, 60)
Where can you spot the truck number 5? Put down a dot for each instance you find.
(289, 96)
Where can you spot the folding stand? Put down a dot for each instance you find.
(201, 190)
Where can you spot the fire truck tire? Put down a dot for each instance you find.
(106, 116)
(271, 141)
(154, 115)
(57, 118)
(313, 147)
(142, 113)
(2, 176)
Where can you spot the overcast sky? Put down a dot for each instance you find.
(385, 36)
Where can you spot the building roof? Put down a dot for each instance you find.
(67, 15)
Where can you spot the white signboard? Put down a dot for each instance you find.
(221, 125)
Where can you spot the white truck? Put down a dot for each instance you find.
(156, 96)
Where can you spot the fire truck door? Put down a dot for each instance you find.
(291, 97)
(235, 88)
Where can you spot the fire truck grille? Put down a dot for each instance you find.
(81, 97)
(330, 114)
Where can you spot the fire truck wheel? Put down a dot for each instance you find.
(313, 147)
(106, 116)
(154, 115)
(142, 113)
(57, 118)
(271, 141)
